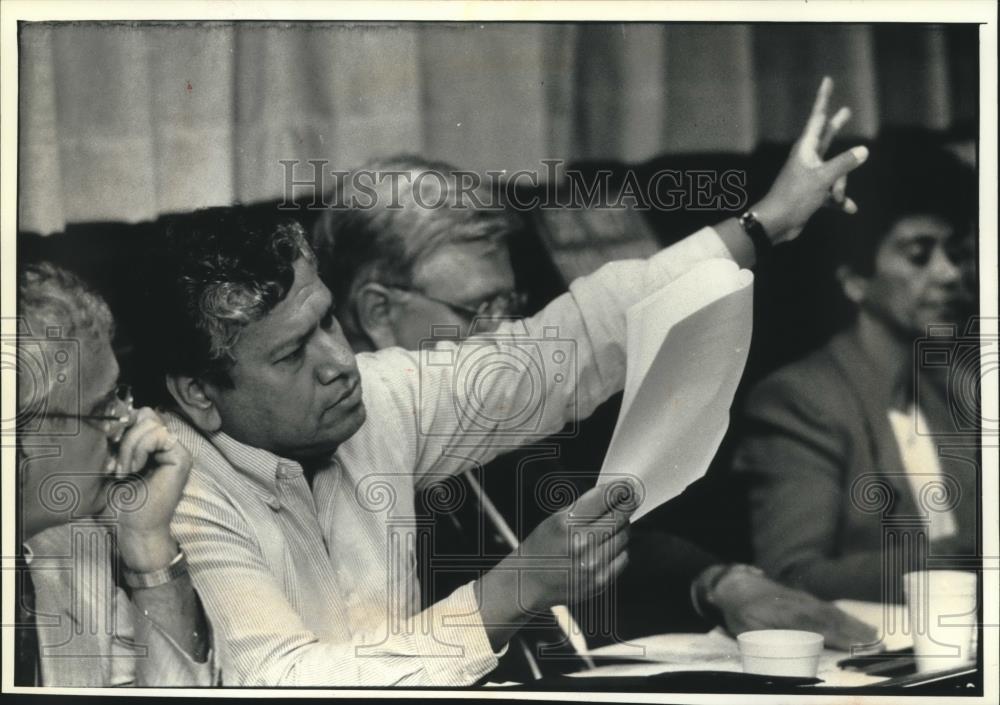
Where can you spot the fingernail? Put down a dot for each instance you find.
(860, 154)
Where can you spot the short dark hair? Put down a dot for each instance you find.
(382, 242)
(906, 175)
(211, 272)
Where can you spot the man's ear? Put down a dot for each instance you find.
(190, 394)
(854, 286)
(373, 307)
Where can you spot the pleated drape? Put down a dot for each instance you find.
(124, 121)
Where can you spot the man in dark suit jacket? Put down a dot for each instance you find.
(858, 466)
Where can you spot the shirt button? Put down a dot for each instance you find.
(274, 503)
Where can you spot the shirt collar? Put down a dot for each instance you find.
(261, 465)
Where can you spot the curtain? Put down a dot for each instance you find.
(124, 121)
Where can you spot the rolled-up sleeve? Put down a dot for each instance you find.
(474, 399)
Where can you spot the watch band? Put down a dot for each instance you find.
(156, 578)
(758, 235)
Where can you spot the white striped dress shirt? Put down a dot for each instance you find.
(316, 586)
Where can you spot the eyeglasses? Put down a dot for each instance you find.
(114, 414)
(508, 303)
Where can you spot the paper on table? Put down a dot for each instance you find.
(686, 349)
(891, 620)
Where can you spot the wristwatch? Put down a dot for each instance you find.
(758, 235)
(156, 578)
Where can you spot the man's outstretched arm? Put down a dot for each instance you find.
(464, 397)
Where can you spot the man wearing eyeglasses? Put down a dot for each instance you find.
(401, 271)
(399, 264)
(299, 521)
(104, 598)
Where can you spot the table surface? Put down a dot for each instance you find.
(717, 651)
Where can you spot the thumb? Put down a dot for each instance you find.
(590, 505)
(845, 162)
(599, 501)
(623, 495)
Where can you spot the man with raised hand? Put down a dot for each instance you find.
(298, 520)
(401, 270)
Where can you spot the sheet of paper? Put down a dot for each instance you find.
(891, 621)
(686, 348)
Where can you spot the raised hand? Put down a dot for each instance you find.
(807, 181)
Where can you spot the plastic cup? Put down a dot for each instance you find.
(781, 652)
(941, 605)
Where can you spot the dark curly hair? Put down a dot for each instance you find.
(906, 175)
(210, 273)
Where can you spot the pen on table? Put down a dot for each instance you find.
(561, 613)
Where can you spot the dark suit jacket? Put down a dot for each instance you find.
(831, 508)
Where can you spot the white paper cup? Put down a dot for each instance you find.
(941, 606)
(781, 652)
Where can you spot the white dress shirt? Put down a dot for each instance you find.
(919, 454)
(316, 586)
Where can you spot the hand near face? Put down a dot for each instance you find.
(751, 601)
(807, 182)
(596, 530)
(151, 456)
